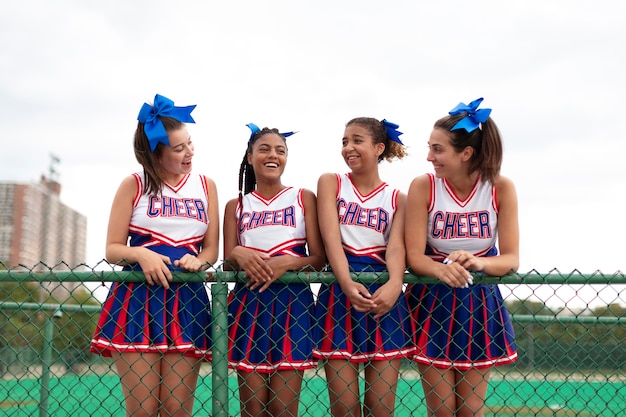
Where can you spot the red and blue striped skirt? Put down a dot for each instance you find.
(137, 317)
(272, 330)
(461, 328)
(344, 333)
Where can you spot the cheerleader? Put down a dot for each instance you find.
(269, 230)
(457, 219)
(157, 332)
(362, 225)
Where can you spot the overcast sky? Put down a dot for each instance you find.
(74, 74)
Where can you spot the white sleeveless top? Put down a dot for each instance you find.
(455, 224)
(178, 217)
(275, 226)
(365, 220)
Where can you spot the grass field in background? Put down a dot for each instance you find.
(101, 395)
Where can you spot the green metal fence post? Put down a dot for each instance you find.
(46, 362)
(219, 292)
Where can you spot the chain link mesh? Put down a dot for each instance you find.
(570, 332)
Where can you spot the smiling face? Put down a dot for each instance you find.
(176, 159)
(358, 148)
(446, 161)
(268, 157)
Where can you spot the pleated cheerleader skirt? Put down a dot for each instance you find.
(137, 317)
(272, 330)
(341, 332)
(461, 328)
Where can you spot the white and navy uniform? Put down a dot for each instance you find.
(137, 317)
(461, 328)
(342, 332)
(272, 330)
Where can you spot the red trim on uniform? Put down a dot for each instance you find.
(248, 348)
(451, 327)
(271, 200)
(118, 336)
(511, 353)
(232, 334)
(175, 326)
(432, 195)
(205, 186)
(338, 179)
(471, 326)
(139, 190)
(494, 201)
(300, 199)
(180, 184)
(287, 346)
(364, 198)
(457, 200)
(159, 238)
(394, 199)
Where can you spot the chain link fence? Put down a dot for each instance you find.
(570, 332)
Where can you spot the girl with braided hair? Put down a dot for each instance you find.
(268, 230)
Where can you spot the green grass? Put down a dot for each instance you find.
(90, 395)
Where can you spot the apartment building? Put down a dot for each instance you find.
(38, 231)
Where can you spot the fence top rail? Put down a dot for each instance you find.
(533, 277)
(55, 308)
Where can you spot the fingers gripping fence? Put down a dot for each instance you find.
(570, 333)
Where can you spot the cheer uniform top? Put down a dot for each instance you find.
(342, 332)
(272, 330)
(461, 328)
(137, 317)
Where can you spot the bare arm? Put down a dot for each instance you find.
(387, 295)
(316, 257)
(508, 236)
(210, 243)
(235, 256)
(331, 236)
(153, 265)
(416, 226)
(230, 235)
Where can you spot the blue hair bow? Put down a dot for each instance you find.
(392, 131)
(474, 116)
(163, 106)
(254, 129)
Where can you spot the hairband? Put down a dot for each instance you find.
(152, 125)
(474, 116)
(254, 129)
(392, 131)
